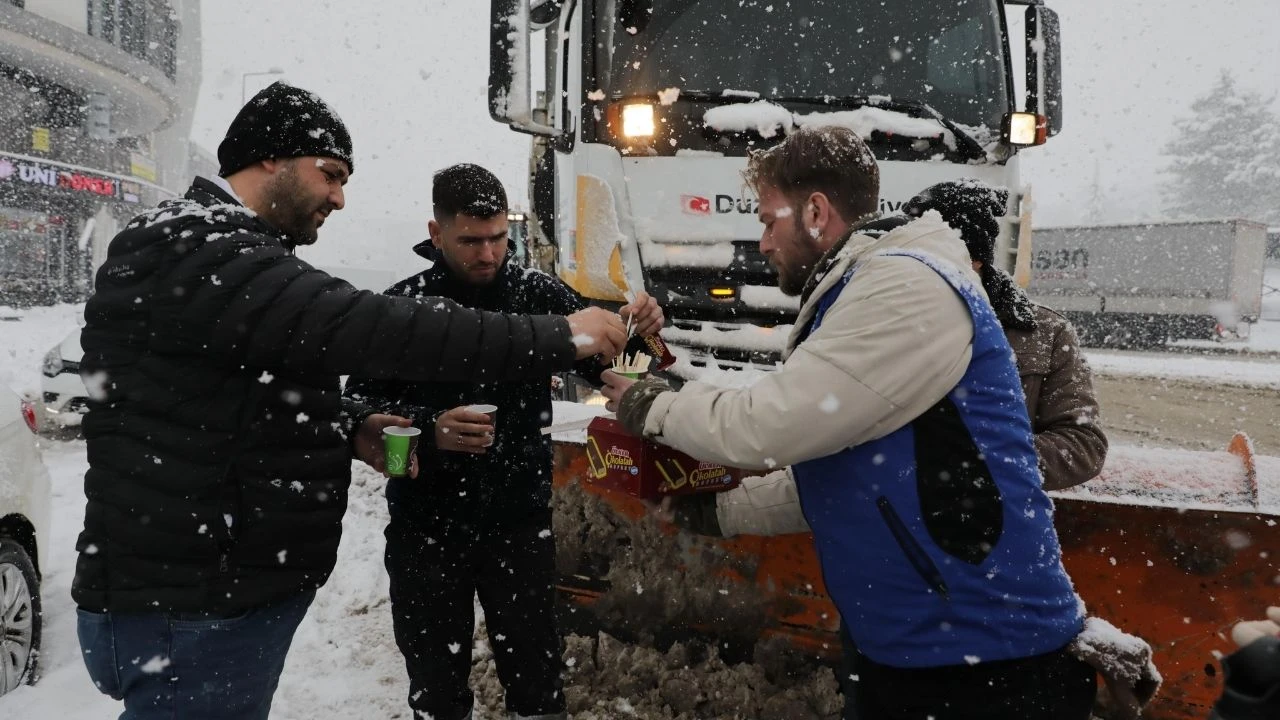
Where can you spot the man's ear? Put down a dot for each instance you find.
(433, 228)
(272, 165)
(817, 212)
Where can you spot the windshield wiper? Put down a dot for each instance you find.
(966, 145)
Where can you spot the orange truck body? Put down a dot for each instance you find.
(1172, 546)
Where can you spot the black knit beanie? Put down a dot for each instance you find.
(970, 206)
(283, 121)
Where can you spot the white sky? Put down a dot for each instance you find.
(409, 79)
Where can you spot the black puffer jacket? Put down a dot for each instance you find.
(513, 479)
(218, 452)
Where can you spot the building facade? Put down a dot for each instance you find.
(96, 106)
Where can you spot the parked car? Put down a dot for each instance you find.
(24, 528)
(63, 398)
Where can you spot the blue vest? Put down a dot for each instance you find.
(937, 541)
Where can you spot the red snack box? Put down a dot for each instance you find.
(625, 463)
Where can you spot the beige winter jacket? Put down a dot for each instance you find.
(1060, 399)
(893, 344)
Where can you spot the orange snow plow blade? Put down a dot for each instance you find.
(1174, 546)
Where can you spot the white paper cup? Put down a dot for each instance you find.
(484, 409)
(488, 410)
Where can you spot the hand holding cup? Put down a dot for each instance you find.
(468, 429)
(615, 386)
(371, 443)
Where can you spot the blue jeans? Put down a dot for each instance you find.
(189, 665)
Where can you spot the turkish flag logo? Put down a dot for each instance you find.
(695, 205)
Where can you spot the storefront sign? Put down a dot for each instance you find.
(55, 177)
(40, 139)
(142, 166)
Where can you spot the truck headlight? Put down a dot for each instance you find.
(52, 363)
(637, 120)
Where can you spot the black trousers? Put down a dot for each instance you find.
(1053, 686)
(437, 565)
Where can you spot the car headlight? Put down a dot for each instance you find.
(52, 363)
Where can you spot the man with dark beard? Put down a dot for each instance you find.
(219, 445)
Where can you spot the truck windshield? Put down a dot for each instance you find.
(946, 53)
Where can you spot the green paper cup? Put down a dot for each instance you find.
(398, 446)
(633, 375)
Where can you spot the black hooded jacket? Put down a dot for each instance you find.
(218, 446)
(513, 479)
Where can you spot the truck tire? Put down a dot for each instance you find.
(20, 617)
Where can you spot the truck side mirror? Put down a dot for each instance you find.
(509, 75)
(544, 12)
(1044, 66)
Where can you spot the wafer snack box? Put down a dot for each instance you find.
(622, 462)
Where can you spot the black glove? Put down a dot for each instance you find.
(696, 513)
(1252, 682)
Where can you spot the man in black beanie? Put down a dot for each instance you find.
(219, 445)
(1056, 380)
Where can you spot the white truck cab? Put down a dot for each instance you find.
(643, 113)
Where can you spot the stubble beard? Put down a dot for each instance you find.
(288, 209)
(793, 275)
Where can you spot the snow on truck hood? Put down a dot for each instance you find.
(768, 119)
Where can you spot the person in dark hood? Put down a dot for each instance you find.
(478, 521)
(1055, 375)
(219, 445)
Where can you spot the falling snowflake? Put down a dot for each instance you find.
(155, 665)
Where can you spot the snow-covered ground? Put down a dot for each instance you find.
(344, 661)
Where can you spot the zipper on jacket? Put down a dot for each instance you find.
(916, 555)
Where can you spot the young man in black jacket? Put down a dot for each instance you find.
(477, 520)
(219, 445)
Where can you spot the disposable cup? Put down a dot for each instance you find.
(399, 444)
(487, 410)
(484, 410)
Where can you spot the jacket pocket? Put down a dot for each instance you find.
(916, 555)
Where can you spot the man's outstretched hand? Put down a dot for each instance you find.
(597, 331)
(369, 447)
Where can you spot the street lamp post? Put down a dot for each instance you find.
(244, 81)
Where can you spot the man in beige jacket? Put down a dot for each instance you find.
(899, 416)
(1056, 380)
